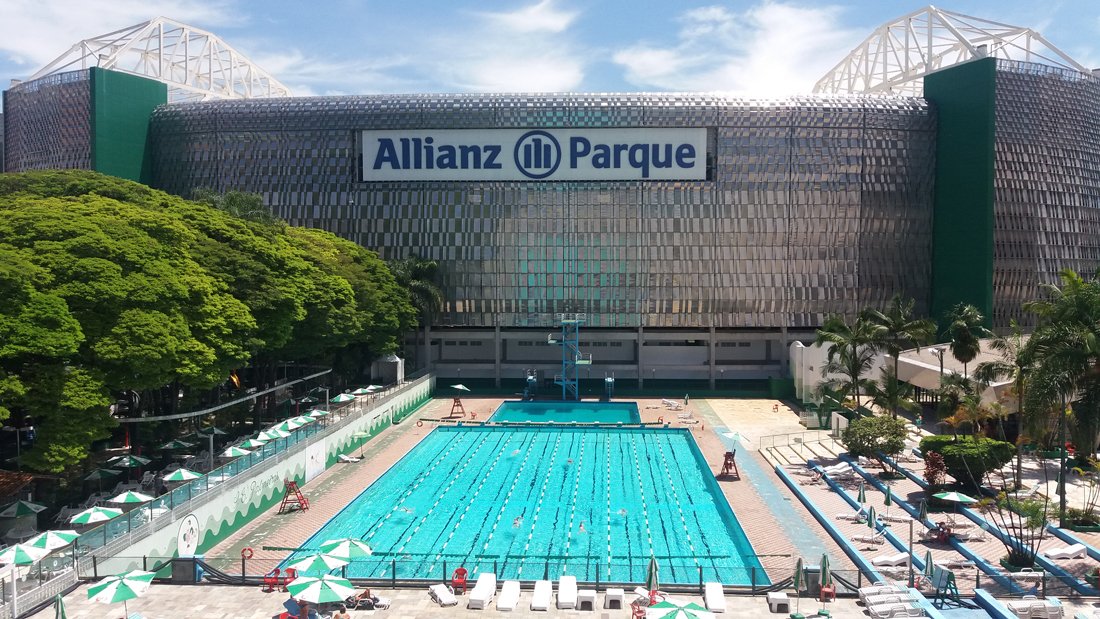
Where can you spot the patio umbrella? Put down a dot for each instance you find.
(343, 397)
(216, 431)
(252, 443)
(955, 497)
(96, 514)
(19, 509)
(235, 452)
(362, 391)
(121, 588)
(871, 516)
(374, 387)
(922, 511)
(272, 434)
(99, 475)
(361, 435)
(346, 548)
(674, 609)
(177, 444)
(826, 581)
(796, 582)
(304, 420)
(929, 565)
(130, 497)
(52, 540)
(652, 581)
(327, 588)
(460, 387)
(59, 607)
(182, 474)
(318, 563)
(861, 496)
(22, 554)
(308, 400)
(317, 413)
(289, 425)
(889, 500)
(129, 462)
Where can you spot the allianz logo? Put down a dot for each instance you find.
(537, 154)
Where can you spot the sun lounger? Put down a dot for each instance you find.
(347, 459)
(976, 535)
(714, 597)
(804, 472)
(881, 589)
(889, 598)
(852, 517)
(905, 609)
(871, 540)
(442, 595)
(895, 518)
(1027, 575)
(567, 592)
(1022, 607)
(1073, 551)
(483, 592)
(901, 558)
(509, 596)
(540, 600)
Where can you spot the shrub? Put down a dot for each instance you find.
(869, 436)
(969, 458)
(935, 472)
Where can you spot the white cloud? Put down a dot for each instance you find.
(33, 32)
(771, 49)
(541, 17)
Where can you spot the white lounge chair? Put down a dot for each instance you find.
(852, 516)
(567, 592)
(714, 597)
(881, 588)
(901, 558)
(509, 596)
(896, 597)
(1073, 551)
(442, 595)
(540, 599)
(870, 540)
(904, 609)
(483, 592)
(1027, 575)
(347, 459)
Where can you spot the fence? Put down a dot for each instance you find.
(97, 552)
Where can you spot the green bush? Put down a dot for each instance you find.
(969, 458)
(870, 435)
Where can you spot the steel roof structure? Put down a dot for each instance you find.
(899, 53)
(195, 64)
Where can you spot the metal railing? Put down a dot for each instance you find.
(793, 439)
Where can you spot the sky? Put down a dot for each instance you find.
(749, 48)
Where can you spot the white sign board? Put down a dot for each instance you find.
(634, 154)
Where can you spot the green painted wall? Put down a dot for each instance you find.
(962, 228)
(121, 107)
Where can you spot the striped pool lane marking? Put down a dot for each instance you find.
(538, 505)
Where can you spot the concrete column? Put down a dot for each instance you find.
(427, 351)
(711, 349)
(498, 353)
(638, 355)
(784, 352)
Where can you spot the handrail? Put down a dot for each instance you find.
(772, 438)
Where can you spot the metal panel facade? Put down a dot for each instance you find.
(812, 205)
(48, 124)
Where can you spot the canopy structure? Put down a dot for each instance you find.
(922, 368)
(895, 58)
(195, 64)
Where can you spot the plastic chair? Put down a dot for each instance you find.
(271, 580)
(828, 592)
(288, 576)
(458, 579)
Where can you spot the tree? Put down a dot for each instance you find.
(848, 352)
(969, 458)
(421, 277)
(890, 394)
(871, 436)
(1014, 366)
(248, 206)
(894, 330)
(966, 330)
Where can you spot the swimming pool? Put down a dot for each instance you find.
(531, 503)
(564, 412)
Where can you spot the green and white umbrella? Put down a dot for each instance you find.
(346, 548)
(59, 607)
(317, 413)
(676, 609)
(121, 588)
(652, 578)
(19, 509)
(308, 400)
(327, 588)
(289, 425)
(96, 514)
(129, 462)
(374, 387)
(460, 387)
(271, 434)
(182, 474)
(101, 474)
(826, 581)
(52, 540)
(861, 496)
(22, 554)
(889, 500)
(929, 565)
(871, 516)
(252, 443)
(362, 391)
(130, 497)
(317, 563)
(177, 444)
(955, 497)
(796, 582)
(303, 420)
(343, 397)
(922, 511)
(235, 452)
(216, 431)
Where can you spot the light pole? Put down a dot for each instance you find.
(939, 350)
(911, 553)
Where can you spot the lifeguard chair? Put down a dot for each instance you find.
(729, 465)
(456, 409)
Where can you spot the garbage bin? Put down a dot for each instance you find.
(199, 571)
(183, 571)
(812, 576)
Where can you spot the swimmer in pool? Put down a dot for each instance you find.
(622, 512)
(569, 461)
(515, 453)
(517, 521)
(407, 510)
(581, 528)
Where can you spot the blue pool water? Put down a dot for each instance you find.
(531, 503)
(564, 412)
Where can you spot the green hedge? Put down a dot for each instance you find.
(969, 458)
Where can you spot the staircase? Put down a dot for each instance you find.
(293, 499)
(799, 447)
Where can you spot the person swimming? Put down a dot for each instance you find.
(622, 512)
(407, 510)
(581, 528)
(518, 520)
(515, 453)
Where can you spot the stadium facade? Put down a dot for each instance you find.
(699, 235)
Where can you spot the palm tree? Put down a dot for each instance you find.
(420, 277)
(1014, 366)
(848, 352)
(966, 331)
(895, 330)
(892, 394)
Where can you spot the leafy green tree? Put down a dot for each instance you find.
(966, 330)
(969, 458)
(248, 206)
(1015, 366)
(849, 352)
(421, 277)
(893, 330)
(890, 394)
(870, 436)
